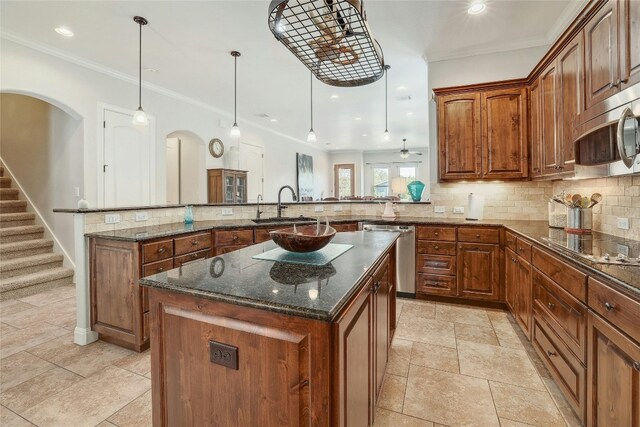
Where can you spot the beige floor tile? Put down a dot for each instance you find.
(399, 306)
(501, 364)
(11, 419)
(106, 424)
(386, 418)
(12, 306)
(135, 414)
(138, 363)
(448, 398)
(37, 389)
(399, 355)
(50, 296)
(5, 329)
(426, 330)
(89, 401)
(83, 360)
(462, 314)
(424, 309)
(392, 394)
(525, 405)
(435, 356)
(506, 333)
(58, 313)
(561, 402)
(20, 367)
(23, 339)
(510, 423)
(475, 333)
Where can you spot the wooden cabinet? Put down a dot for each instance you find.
(517, 280)
(345, 226)
(548, 120)
(535, 130)
(613, 390)
(629, 43)
(523, 295)
(479, 271)
(436, 261)
(510, 279)
(483, 134)
(381, 289)
(226, 186)
(225, 241)
(570, 100)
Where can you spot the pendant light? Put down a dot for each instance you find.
(311, 136)
(140, 117)
(235, 130)
(386, 135)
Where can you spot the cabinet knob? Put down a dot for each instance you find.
(235, 237)
(160, 269)
(161, 250)
(436, 247)
(194, 242)
(477, 236)
(437, 233)
(609, 306)
(551, 305)
(551, 353)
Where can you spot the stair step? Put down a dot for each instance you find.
(29, 264)
(5, 182)
(26, 248)
(22, 233)
(16, 219)
(29, 284)
(13, 206)
(8, 194)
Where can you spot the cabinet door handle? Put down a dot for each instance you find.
(551, 353)
(551, 305)
(609, 306)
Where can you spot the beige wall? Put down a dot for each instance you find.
(42, 146)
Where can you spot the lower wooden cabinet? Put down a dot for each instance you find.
(381, 297)
(523, 295)
(479, 271)
(345, 226)
(510, 278)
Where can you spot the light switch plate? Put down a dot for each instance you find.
(458, 210)
(438, 209)
(227, 211)
(112, 218)
(622, 223)
(142, 216)
(319, 209)
(337, 208)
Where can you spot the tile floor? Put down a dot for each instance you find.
(449, 366)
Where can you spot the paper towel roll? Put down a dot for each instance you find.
(476, 207)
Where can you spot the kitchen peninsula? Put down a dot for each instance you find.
(235, 339)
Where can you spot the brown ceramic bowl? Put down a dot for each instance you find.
(303, 238)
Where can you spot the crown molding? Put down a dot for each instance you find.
(470, 52)
(565, 19)
(94, 66)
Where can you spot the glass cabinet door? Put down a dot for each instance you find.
(229, 188)
(241, 188)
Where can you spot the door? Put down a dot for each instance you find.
(548, 120)
(479, 271)
(629, 43)
(127, 161)
(510, 278)
(173, 171)
(570, 101)
(344, 180)
(601, 54)
(459, 136)
(523, 295)
(535, 142)
(504, 134)
(252, 161)
(613, 386)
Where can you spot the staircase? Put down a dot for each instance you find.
(27, 262)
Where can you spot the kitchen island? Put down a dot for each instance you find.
(240, 341)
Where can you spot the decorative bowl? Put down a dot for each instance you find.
(305, 238)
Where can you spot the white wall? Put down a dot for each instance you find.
(42, 146)
(348, 157)
(79, 89)
(193, 170)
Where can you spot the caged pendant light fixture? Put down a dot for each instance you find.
(386, 135)
(140, 117)
(235, 130)
(311, 136)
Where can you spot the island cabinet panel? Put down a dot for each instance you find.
(505, 134)
(614, 376)
(479, 271)
(345, 226)
(381, 289)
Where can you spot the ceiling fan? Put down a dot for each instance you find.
(404, 153)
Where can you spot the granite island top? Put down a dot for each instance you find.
(315, 292)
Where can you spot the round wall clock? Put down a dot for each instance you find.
(216, 148)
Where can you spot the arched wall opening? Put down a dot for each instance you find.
(186, 168)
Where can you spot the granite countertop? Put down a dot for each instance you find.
(316, 292)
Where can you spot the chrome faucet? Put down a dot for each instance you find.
(258, 211)
(280, 207)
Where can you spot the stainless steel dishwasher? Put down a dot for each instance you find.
(405, 255)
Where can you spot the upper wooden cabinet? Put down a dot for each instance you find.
(535, 131)
(226, 186)
(570, 100)
(549, 120)
(629, 43)
(483, 134)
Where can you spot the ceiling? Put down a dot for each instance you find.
(188, 43)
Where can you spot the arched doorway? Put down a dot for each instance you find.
(186, 168)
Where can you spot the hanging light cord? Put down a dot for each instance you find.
(140, 68)
(311, 90)
(235, 89)
(386, 101)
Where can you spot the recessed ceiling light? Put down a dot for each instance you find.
(334, 96)
(410, 113)
(476, 8)
(401, 88)
(273, 120)
(64, 31)
(364, 134)
(358, 118)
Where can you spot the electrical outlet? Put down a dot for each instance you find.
(623, 249)
(227, 211)
(622, 223)
(458, 210)
(142, 216)
(319, 209)
(112, 218)
(438, 209)
(76, 191)
(337, 208)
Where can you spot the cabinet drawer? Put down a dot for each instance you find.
(262, 234)
(350, 226)
(566, 369)
(235, 237)
(157, 250)
(562, 312)
(226, 249)
(192, 243)
(478, 235)
(183, 259)
(615, 307)
(510, 240)
(157, 267)
(436, 285)
(437, 248)
(523, 249)
(437, 233)
(437, 264)
(568, 277)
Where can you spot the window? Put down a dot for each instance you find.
(409, 173)
(380, 182)
(343, 178)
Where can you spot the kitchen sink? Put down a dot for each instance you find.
(283, 219)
